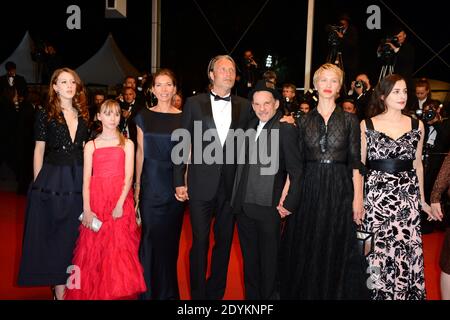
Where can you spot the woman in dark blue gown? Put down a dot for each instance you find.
(54, 199)
(162, 214)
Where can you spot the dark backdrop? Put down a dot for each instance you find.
(188, 42)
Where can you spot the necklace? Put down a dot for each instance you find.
(70, 113)
(101, 137)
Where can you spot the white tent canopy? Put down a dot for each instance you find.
(108, 66)
(26, 67)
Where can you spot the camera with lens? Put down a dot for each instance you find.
(312, 97)
(333, 37)
(393, 40)
(360, 84)
(386, 52)
(427, 116)
(249, 62)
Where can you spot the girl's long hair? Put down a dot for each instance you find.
(111, 105)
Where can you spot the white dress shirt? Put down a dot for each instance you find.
(259, 129)
(221, 110)
(421, 102)
(432, 134)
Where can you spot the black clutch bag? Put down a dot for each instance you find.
(365, 242)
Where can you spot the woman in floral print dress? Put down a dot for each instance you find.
(394, 194)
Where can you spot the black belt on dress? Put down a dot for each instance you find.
(55, 193)
(391, 165)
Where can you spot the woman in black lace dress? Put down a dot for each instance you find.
(394, 194)
(320, 257)
(54, 199)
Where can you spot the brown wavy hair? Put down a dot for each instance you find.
(165, 72)
(79, 101)
(383, 89)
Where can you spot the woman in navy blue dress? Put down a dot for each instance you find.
(162, 214)
(54, 199)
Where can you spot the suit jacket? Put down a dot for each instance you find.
(252, 187)
(203, 178)
(130, 121)
(404, 61)
(362, 103)
(414, 104)
(20, 84)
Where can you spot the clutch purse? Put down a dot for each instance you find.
(96, 223)
(365, 242)
(138, 214)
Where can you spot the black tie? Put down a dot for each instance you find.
(217, 98)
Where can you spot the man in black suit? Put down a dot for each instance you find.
(11, 80)
(13, 90)
(130, 108)
(361, 92)
(262, 192)
(210, 179)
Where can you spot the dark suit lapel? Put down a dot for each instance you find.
(272, 124)
(208, 119)
(253, 124)
(234, 114)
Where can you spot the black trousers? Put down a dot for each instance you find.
(259, 239)
(201, 214)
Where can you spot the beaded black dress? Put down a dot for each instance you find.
(54, 204)
(319, 255)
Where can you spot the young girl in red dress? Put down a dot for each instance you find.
(106, 262)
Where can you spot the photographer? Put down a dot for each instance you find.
(436, 146)
(130, 107)
(399, 53)
(11, 80)
(130, 82)
(361, 92)
(249, 74)
(344, 38)
(422, 97)
(289, 104)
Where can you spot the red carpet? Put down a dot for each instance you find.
(12, 209)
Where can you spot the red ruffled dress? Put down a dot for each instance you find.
(106, 262)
